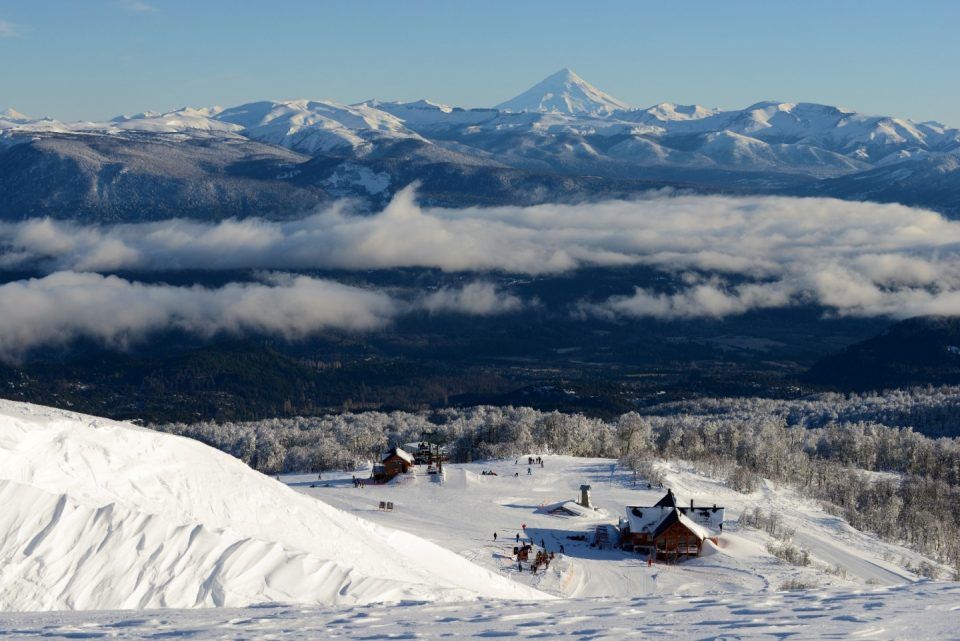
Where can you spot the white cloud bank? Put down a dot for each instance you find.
(737, 254)
(65, 306)
(478, 299)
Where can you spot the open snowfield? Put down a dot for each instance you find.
(104, 523)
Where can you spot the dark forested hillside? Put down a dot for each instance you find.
(917, 351)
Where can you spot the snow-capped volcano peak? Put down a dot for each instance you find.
(13, 114)
(564, 92)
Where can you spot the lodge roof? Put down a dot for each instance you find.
(400, 453)
(668, 500)
(655, 519)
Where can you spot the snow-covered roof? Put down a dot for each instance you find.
(699, 530)
(402, 453)
(704, 521)
(569, 506)
(646, 519)
(708, 517)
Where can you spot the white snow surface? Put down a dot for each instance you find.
(912, 612)
(105, 515)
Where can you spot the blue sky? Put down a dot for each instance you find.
(94, 59)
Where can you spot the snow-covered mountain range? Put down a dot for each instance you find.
(562, 138)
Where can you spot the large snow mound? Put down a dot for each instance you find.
(105, 515)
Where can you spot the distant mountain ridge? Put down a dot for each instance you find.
(561, 132)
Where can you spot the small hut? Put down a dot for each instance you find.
(396, 461)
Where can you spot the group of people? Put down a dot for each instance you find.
(543, 558)
(531, 461)
(358, 482)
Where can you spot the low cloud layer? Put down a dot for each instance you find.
(65, 306)
(478, 299)
(732, 254)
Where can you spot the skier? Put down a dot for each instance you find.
(518, 537)
(529, 471)
(494, 536)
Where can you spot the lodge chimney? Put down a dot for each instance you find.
(585, 496)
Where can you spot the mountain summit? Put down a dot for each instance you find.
(12, 114)
(564, 92)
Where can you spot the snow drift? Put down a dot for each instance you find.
(104, 515)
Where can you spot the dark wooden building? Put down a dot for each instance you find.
(396, 461)
(670, 532)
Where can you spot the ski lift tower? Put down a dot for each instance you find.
(438, 457)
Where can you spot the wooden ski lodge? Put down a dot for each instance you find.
(396, 461)
(668, 531)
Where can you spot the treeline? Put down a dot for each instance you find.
(932, 411)
(890, 480)
(350, 441)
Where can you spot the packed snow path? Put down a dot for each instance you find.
(909, 612)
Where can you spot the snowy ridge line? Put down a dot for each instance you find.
(805, 138)
(78, 544)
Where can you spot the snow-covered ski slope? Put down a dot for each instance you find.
(464, 512)
(104, 515)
